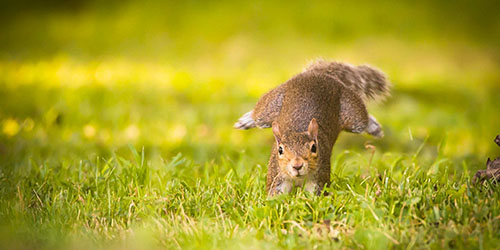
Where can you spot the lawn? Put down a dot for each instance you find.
(116, 125)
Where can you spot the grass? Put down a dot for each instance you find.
(135, 203)
(116, 126)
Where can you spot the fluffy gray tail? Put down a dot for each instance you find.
(364, 80)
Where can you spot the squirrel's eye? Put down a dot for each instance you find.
(313, 148)
(280, 150)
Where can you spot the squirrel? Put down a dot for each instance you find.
(307, 113)
(492, 171)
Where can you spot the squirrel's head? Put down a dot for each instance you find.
(297, 151)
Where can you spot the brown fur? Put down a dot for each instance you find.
(326, 99)
(364, 80)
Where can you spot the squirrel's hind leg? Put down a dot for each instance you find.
(265, 111)
(353, 115)
(355, 118)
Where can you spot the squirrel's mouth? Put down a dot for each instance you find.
(297, 173)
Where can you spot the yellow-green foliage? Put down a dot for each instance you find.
(116, 124)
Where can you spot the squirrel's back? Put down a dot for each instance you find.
(364, 82)
(309, 95)
(331, 92)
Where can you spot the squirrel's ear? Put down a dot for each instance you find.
(276, 131)
(312, 129)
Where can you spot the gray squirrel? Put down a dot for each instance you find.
(307, 113)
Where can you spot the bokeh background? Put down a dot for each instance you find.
(91, 77)
(81, 79)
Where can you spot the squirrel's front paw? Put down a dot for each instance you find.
(246, 121)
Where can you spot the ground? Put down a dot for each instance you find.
(116, 125)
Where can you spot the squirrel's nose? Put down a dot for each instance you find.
(298, 167)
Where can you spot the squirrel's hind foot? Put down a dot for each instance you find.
(374, 128)
(245, 122)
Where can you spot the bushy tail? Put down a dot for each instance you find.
(364, 80)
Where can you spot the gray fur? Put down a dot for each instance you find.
(246, 121)
(366, 81)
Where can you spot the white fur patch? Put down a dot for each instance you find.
(285, 187)
(374, 128)
(246, 121)
(311, 186)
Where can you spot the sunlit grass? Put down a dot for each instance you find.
(118, 200)
(116, 126)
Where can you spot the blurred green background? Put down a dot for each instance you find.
(83, 79)
(90, 77)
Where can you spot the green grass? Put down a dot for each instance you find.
(136, 203)
(116, 125)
